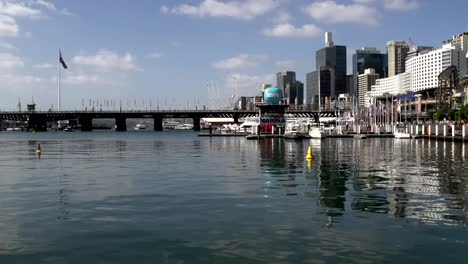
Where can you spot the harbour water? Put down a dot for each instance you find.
(172, 197)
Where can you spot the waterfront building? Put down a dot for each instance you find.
(397, 52)
(422, 71)
(415, 51)
(426, 66)
(398, 84)
(366, 81)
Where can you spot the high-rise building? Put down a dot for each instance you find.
(366, 80)
(397, 52)
(283, 78)
(460, 40)
(366, 58)
(324, 85)
(426, 67)
(350, 84)
(318, 89)
(246, 103)
(294, 93)
(422, 71)
(265, 86)
(293, 90)
(333, 59)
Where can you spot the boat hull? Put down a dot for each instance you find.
(316, 133)
(402, 135)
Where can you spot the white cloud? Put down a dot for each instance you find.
(247, 85)
(401, 5)
(17, 9)
(45, 66)
(48, 5)
(243, 61)
(82, 79)
(155, 55)
(285, 64)
(364, 1)
(10, 9)
(289, 30)
(8, 46)
(330, 12)
(107, 60)
(8, 26)
(244, 10)
(52, 7)
(9, 61)
(282, 17)
(15, 80)
(165, 9)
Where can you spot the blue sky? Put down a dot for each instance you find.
(179, 54)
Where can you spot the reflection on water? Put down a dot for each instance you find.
(423, 180)
(182, 199)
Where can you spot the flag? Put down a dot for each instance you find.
(64, 65)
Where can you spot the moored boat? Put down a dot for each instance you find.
(293, 135)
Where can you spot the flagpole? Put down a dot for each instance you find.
(58, 85)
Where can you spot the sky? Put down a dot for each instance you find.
(179, 54)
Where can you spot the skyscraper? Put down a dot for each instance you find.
(333, 59)
(283, 78)
(350, 84)
(293, 90)
(397, 52)
(294, 93)
(318, 87)
(366, 58)
(366, 80)
(460, 40)
(329, 80)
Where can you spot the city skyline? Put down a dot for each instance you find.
(176, 52)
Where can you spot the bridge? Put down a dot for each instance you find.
(37, 121)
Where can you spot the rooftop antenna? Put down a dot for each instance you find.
(329, 40)
(411, 42)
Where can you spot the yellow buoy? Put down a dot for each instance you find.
(39, 149)
(309, 154)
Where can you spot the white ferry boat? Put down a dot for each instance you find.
(183, 127)
(140, 126)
